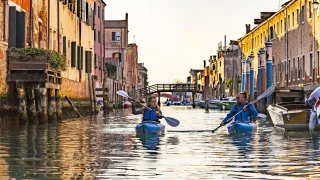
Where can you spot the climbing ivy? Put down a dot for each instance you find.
(111, 69)
(57, 61)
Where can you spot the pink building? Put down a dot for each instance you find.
(132, 67)
(99, 57)
(116, 45)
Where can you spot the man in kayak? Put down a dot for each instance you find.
(148, 115)
(242, 104)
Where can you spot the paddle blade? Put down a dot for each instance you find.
(260, 115)
(172, 121)
(122, 93)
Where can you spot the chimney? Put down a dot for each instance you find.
(247, 28)
(214, 57)
(204, 64)
(210, 57)
(126, 16)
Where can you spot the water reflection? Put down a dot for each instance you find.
(107, 147)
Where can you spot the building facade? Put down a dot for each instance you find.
(99, 50)
(294, 34)
(132, 70)
(116, 44)
(68, 22)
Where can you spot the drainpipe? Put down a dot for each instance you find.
(31, 25)
(287, 62)
(48, 25)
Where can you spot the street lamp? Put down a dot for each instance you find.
(315, 4)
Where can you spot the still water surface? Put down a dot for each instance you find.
(107, 148)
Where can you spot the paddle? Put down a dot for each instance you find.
(171, 121)
(267, 93)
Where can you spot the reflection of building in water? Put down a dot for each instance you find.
(4, 167)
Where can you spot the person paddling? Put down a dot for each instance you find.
(149, 115)
(242, 104)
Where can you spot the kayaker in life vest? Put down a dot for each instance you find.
(148, 115)
(245, 116)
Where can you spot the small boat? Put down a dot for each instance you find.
(150, 127)
(127, 104)
(290, 115)
(241, 127)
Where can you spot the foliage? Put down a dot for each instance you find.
(228, 82)
(111, 69)
(57, 61)
(146, 83)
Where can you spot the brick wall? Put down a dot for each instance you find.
(3, 48)
(75, 89)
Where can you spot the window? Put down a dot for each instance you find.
(279, 70)
(303, 67)
(39, 34)
(310, 10)
(94, 35)
(289, 72)
(116, 36)
(86, 15)
(293, 68)
(298, 68)
(99, 12)
(271, 32)
(94, 8)
(311, 63)
(95, 60)
(281, 28)
(298, 17)
(302, 14)
(288, 21)
(292, 19)
(99, 37)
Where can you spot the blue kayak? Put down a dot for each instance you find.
(150, 127)
(240, 127)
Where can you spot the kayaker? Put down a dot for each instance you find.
(245, 116)
(149, 115)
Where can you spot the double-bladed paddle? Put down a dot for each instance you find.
(267, 93)
(171, 121)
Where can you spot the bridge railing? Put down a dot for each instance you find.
(165, 88)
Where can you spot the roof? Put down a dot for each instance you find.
(284, 6)
(115, 24)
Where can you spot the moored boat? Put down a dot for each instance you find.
(241, 127)
(290, 115)
(150, 127)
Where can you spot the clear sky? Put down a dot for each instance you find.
(174, 36)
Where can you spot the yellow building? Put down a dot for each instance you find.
(294, 33)
(71, 32)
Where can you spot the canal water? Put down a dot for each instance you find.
(107, 148)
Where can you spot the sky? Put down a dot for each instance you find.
(174, 36)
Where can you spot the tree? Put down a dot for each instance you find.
(228, 82)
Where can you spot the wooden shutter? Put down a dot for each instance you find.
(73, 54)
(12, 26)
